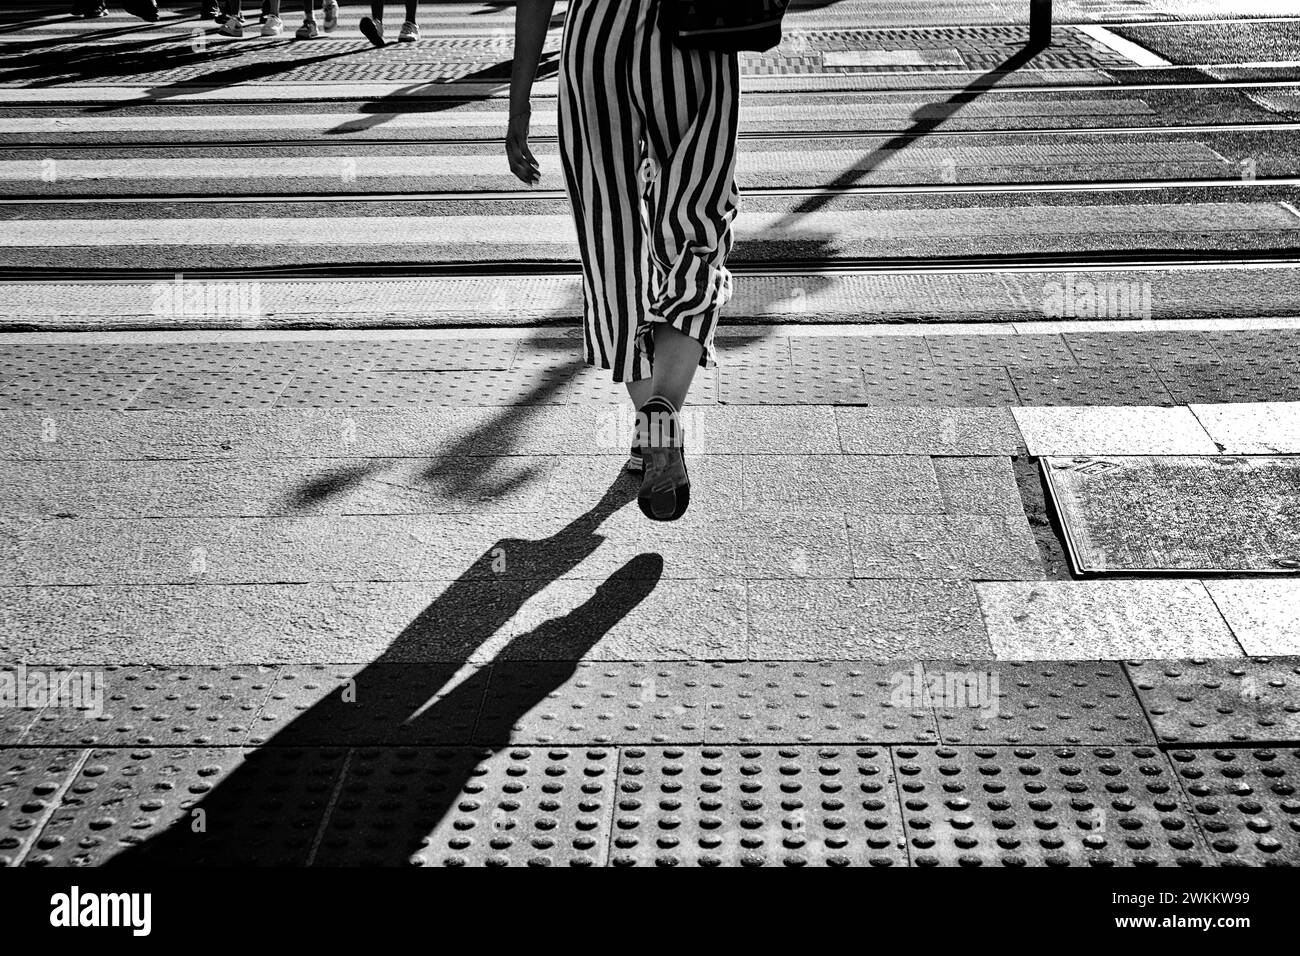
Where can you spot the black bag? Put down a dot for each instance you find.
(728, 26)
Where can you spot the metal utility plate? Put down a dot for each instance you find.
(1178, 513)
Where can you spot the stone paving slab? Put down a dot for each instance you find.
(32, 783)
(1124, 384)
(1103, 620)
(1264, 615)
(450, 432)
(867, 484)
(462, 807)
(1001, 703)
(69, 392)
(757, 806)
(978, 485)
(394, 704)
(1244, 801)
(411, 548)
(865, 620)
(1226, 702)
(1252, 428)
(137, 807)
(928, 431)
(979, 547)
(153, 706)
(1112, 431)
(354, 486)
(991, 806)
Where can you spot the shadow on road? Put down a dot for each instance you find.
(270, 808)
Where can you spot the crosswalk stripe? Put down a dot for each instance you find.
(764, 112)
(466, 232)
(754, 163)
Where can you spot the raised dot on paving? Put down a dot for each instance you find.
(1220, 701)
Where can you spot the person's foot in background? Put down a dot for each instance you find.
(410, 33)
(144, 9)
(90, 9)
(372, 28)
(331, 11)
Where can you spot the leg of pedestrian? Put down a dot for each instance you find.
(272, 25)
(233, 25)
(410, 29)
(309, 30)
(372, 27)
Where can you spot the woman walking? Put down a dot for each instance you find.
(648, 140)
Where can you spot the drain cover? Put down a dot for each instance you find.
(1178, 513)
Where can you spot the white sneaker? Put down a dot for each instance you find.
(273, 26)
(308, 30)
(331, 14)
(233, 27)
(410, 32)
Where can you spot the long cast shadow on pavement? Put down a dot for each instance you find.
(262, 813)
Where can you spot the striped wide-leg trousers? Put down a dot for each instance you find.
(648, 137)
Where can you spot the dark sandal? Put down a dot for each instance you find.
(666, 486)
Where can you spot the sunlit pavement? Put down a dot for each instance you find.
(317, 530)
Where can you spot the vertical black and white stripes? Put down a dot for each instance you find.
(648, 134)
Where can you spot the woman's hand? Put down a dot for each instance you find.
(522, 161)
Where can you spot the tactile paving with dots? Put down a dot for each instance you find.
(794, 385)
(1086, 385)
(325, 387)
(209, 360)
(1246, 803)
(54, 360)
(540, 703)
(159, 706)
(70, 392)
(1232, 382)
(463, 807)
(31, 779)
(238, 390)
(757, 806)
(1034, 806)
(770, 702)
(15, 720)
(1221, 701)
(980, 386)
(1069, 702)
(993, 350)
(191, 806)
(358, 705)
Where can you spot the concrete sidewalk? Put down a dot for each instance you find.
(361, 599)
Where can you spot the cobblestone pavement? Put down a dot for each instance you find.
(315, 530)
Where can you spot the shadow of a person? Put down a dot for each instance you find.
(271, 807)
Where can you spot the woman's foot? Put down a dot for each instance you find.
(372, 30)
(331, 11)
(308, 31)
(410, 32)
(233, 27)
(273, 26)
(665, 487)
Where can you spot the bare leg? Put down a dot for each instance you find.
(677, 356)
(640, 391)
